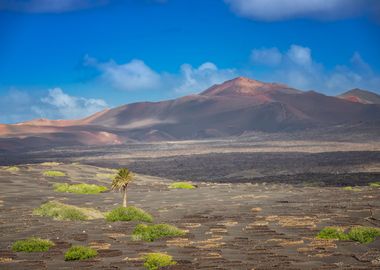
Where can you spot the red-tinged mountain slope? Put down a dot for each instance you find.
(229, 109)
(361, 96)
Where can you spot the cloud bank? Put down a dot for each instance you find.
(132, 76)
(136, 75)
(18, 106)
(297, 68)
(277, 10)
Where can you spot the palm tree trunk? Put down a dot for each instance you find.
(125, 198)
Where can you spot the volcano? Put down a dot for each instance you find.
(232, 108)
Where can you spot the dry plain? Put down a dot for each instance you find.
(256, 206)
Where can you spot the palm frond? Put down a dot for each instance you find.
(122, 179)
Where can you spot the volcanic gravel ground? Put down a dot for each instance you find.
(230, 225)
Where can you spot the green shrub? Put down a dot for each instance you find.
(32, 244)
(375, 184)
(80, 253)
(79, 188)
(360, 234)
(12, 169)
(336, 233)
(363, 235)
(181, 185)
(60, 211)
(150, 233)
(128, 214)
(54, 173)
(154, 261)
(50, 163)
(349, 188)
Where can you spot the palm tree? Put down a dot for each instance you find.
(121, 181)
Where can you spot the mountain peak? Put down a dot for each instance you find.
(242, 86)
(361, 96)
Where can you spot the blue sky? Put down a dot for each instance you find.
(68, 59)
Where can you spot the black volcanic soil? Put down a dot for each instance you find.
(230, 225)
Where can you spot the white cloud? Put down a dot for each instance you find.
(137, 76)
(192, 80)
(19, 106)
(300, 55)
(297, 68)
(270, 56)
(275, 10)
(132, 76)
(49, 6)
(70, 107)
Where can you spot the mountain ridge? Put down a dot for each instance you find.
(233, 108)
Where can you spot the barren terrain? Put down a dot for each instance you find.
(258, 204)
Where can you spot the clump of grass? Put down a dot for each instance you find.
(360, 234)
(375, 184)
(181, 185)
(50, 163)
(110, 176)
(54, 173)
(12, 169)
(32, 244)
(128, 214)
(80, 253)
(61, 211)
(150, 233)
(363, 235)
(349, 188)
(80, 188)
(154, 261)
(335, 233)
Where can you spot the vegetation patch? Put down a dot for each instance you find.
(375, 184)
(53, 173)
(80, 253)
(154, 261)
(150, 233)
(363, 235)
(181, 185)
(128, 214)
(360, 234)
(335, 233)
(79, 188)
(32, 244)
(349, 188)
(12, 169)
(50, 163)
(61, 211)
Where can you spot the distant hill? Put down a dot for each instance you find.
(361, 96)
(232, 108)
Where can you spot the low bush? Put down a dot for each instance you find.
(154, 261)
(360, 234)
(32, 244)
(375, 184)
(79, 188)
(363, 235)
(128, 214)
(50, 163)
(53, 173)
(336, 233)
(80, 253)
(12, 169)
(150, 233)
(60, 211)
(181, 185)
